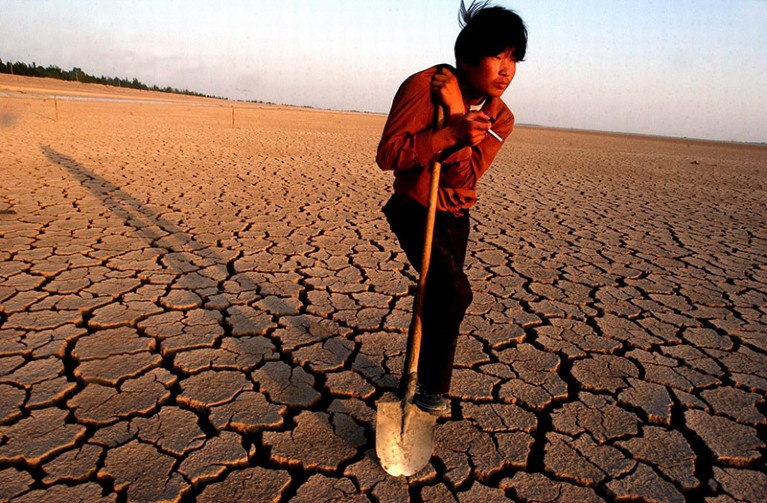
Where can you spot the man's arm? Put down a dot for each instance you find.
(408, 140)
(463, 168)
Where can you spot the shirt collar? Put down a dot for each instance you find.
(478, 106)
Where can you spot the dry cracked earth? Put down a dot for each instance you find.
(195, 312)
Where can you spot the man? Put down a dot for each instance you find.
(492, 40)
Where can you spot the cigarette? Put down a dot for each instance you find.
(495, 135)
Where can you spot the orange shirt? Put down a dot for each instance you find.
(405, 147)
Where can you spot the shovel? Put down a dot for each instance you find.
(405, 433)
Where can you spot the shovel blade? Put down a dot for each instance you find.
(404, 438)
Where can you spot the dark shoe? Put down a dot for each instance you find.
(434, 403)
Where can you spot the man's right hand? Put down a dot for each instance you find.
(470, 129)
(461, 131)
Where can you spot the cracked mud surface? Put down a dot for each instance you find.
(193, 312)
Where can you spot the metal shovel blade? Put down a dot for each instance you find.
(404, 438)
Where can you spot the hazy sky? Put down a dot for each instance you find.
(695, 68)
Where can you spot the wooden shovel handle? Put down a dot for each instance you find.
(414, 334)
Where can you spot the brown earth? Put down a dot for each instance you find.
(200, 308)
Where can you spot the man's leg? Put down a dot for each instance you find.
(448, 296)
(448, 292)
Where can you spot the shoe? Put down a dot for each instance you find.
(433, 403)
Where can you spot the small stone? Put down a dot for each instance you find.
(668, 451)
(90, 492)
(245, 320)
(742, 406)
(321, 488)
(10, 405)
(280, 306)
(743, 485)
(480, 493)
(326, 356)
(209, 389)
(250, 484)
(103, 405)
(708, 338)
(236, 353)
(42, 320)
(116, 315)
(116, 368)
(367, 472)
(298, 331)
(645, 485)
(179, 331)
(470, 353)
(78, 464)
(730, 442)
(214, 458)
(463, 445)
(493, 417)
(291, 386)
(10, 363)
(470, 385)
(172, 429)
(319, 441)
(104, 343)
(537, 488)
(181, 300)
(652, 398)
(49, 392)
(597, 416)
(250, 412)
(574, 338)
(13, 482)
(349, 384)
(39, 437)
(604, 372)
(437, 493)
(582, 461)
(114, 435)
(537, 383)
(143, 473)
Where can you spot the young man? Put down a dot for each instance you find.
(492, 40)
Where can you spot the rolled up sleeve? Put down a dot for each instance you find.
(406, 142)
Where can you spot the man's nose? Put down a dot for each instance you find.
(507, 67)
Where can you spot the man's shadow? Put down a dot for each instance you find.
(185, 253)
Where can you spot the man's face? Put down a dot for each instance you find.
(491, 76)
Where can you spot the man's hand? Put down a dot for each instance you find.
(470, 129)
(444, 86)
(461, 131)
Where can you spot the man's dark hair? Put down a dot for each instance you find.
(488, 30)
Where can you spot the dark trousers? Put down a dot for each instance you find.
(448, 292)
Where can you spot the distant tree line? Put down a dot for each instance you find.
(77, 74)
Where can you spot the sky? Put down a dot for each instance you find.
(685, 68)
